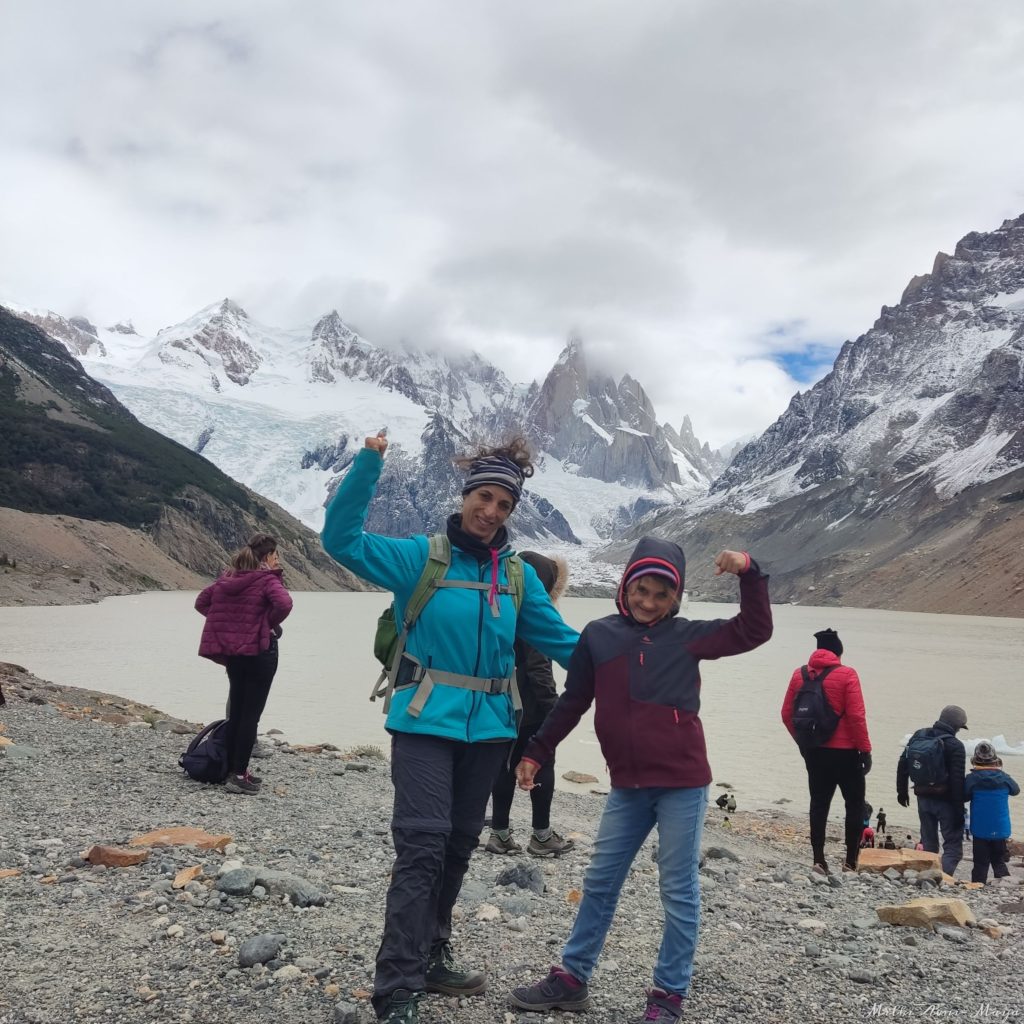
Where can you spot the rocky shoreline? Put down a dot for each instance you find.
(275, 916)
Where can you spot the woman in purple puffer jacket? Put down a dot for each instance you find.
(244, 610)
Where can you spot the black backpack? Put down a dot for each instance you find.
(926, 762)
(206, 759)
(814, 719)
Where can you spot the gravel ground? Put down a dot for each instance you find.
(83, 943)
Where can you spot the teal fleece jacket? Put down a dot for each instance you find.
(456, 631)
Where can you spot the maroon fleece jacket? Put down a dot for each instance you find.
(241, 610)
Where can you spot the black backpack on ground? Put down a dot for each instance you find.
(206, 759)
(926, 762)
(814, 719)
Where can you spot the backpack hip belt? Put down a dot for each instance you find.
(411, 673)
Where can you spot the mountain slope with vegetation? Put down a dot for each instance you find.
(87, 493)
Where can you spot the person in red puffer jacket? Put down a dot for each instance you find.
(244, 610)
(844, 758)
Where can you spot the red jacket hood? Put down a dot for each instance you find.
(823, 659)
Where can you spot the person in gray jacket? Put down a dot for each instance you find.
(934, 760)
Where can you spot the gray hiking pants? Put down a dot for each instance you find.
(936, 813)
(441, 792)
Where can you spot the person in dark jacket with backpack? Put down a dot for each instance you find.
(244, 610)
(829, 725)
(934, 761)
(988, 790)
(538, 693)
(451, 709)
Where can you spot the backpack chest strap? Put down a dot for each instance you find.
(502, 588)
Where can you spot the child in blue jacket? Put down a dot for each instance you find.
(988, 789)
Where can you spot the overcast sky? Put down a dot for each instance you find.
(714, 194)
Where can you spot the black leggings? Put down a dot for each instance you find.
(826, 769)
(986, 852)
(249, 679)
(505, 786)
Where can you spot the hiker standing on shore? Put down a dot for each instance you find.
(824, 712)
(538, 693)
(988, 789)
(934, 761)
(244, 610)
(450, 702)
(641, 669)
(881, 821)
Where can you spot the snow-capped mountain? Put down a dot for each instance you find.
(284, 411)
(933, 390)
(904, 462)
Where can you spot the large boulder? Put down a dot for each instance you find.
(927, 912)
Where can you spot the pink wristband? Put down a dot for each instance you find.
(746, 555)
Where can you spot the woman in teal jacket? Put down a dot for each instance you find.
(451, 715)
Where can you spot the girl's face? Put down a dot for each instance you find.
(484, 511)
(649, 599)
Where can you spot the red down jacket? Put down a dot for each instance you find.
(241, 609)
(842, 691)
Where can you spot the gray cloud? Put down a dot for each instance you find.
(713, 194)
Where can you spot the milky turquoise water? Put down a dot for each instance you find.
(910, 665)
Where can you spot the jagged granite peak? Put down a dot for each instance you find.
(608, 430)
(935, 387)
(221, 337)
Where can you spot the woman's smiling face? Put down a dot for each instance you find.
(484, 511)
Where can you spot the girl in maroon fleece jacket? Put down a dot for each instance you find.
(640, 667)
(244, 610)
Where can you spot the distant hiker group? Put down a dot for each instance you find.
(824, 712)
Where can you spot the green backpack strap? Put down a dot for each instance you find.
(439, 560)
(516, 579)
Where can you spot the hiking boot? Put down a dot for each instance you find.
(498, 845)
(553, 846)
(558, 991)
(662, 1007)
(821, 868)
(402, 1007)
(241, 784)
(444, 975)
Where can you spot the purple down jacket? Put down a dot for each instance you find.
(241, 609)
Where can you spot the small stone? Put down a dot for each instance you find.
(287, 973)
(344, 1013)
(259, 949)
(175, 931)
(218, 938)
(185, 875)
(239, 882)
(488, 913)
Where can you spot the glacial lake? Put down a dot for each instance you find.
(910, 665)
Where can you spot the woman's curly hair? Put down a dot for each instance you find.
(517, 449)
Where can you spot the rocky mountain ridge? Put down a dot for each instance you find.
(896, 480)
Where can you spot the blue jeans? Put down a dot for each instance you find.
(934, 812)
(629, 816)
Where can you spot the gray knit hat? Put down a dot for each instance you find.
(984, 754)
(954, 716)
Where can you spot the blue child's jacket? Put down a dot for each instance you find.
(989, 791)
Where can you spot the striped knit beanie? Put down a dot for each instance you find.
(498, 470)
(652, 567)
